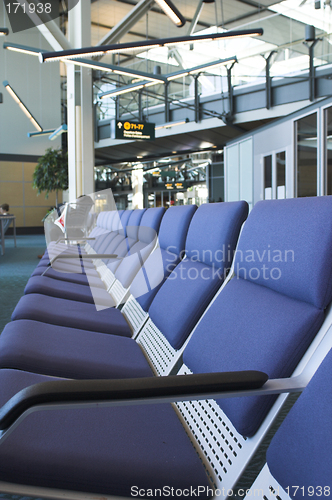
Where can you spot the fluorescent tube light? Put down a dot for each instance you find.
(60, 130)
(170, 125)
(108, 68)
(22, 106)
(145, 44)
(40, 134)
(172, 12)
(21, 48)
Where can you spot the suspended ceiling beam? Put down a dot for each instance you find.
(48, 28)
(122, 28)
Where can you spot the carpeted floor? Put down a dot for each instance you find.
(16, 266)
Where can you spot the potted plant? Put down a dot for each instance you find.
(51, 172)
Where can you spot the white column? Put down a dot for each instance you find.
(137, 183)
(80, 107)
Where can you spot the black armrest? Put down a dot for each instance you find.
(128, 390)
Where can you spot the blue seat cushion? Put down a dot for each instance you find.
(67, 290)
(70, 353)
(105, 451)
(70, 313)
(81, 279)
(250, 327)
(300, 451)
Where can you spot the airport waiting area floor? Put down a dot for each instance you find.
(16, 266)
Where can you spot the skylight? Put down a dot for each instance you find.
(306, 13)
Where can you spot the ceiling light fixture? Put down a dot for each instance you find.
(60, 130)
(108, 68)
(22, 106)
(40, 134)
(145, 44)
(201, 68)
(168, 78)
(15, 47)
(174, 124)
(4, 31)
(172, 12)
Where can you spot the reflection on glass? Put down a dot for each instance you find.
(307, 156)
(328, 148)
(281, 174)
(268, 177)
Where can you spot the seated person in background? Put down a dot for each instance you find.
(4, 209)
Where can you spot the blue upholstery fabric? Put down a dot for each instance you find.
(116, 221)
(300, 451)
(131, 264)
(249, 327)
(174, 227)
(221, 222)
(124, 220)
(57, 288)
(126, 270)
(182, 299)
(151, 220)
(70, 313)
(66, 290)
(185, 294)
(153, 274)
(293, 239)
(133, 224)
(158, 266)
(140, 446)
(69, 352)
(70, 277)
(267, 324)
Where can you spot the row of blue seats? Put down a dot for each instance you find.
(221, 331)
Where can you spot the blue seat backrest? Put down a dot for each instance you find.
(184, 296)
(299, 456)
(174, 228)
(172, 236)
(104, 234)
(134, 223)
(150, 224)
(116, 221)
(124, 220)
(266, 317)
(291, 251)
(121, 244)
(139, 252)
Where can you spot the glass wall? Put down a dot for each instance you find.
(306, 134)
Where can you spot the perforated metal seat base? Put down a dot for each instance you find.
(134, 314)
(157, 349)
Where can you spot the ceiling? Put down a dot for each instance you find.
(281, 31)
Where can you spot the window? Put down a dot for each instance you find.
(281, 174)
(307, 156)
(268, 177)
(328, 149)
